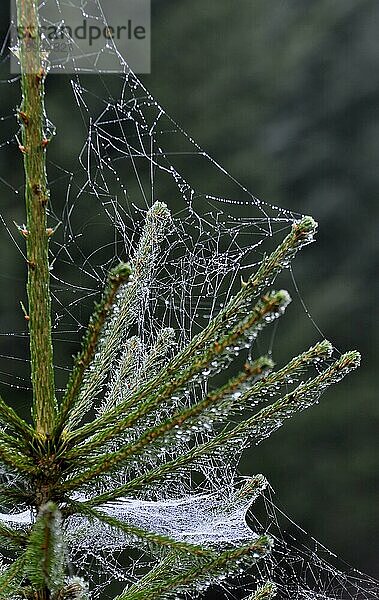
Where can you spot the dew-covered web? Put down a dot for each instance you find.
(132, 155)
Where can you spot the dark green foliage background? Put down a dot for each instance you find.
(284, 94)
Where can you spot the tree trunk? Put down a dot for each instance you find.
(34, 144)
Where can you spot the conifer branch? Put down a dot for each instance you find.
(12, 537)
(11, 578)
(252, 371)
(158, 352)
(11, 493)
(32, 118)
(268, 308)
(258, 391)
(252, 487)
(45, 558)
(75, 589)
(152, 435)
(128, 303)
(136, 366)
(160, 581)
(145, 536)
(12, 456)
(128, 367)
(117, 277)
(302, 233)
(134, 370)
(260, 425)
(269, 419)
(275, 380)
(10, 419)
(267, 592)
(246, 495)
(10, 441)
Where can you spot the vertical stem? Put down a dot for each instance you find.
(32, 116)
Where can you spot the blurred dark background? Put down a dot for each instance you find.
(285, 95)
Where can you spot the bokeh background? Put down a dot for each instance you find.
(285, 95)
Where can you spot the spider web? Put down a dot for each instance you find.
(132, 155)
